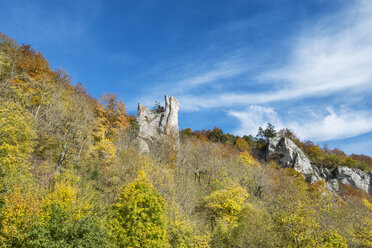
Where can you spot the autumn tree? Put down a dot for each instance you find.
(112, 115)
(255, 229)
(66, 220)
(242, 145)
(182, 233)
(9, 55)
(18, 218)
(16, 141)
(216, 135)
(224, 207)
(138, 217)
(69, 121)
(226, 203)
(294, 215)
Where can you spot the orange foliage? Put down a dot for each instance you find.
(242, 145)
(349, 191)
(363, 159)
(201, 136)
(33, 63)
(313, 151)
(112, 115)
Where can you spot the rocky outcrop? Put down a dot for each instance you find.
(358, 179)
(287, 154)
(155, 125)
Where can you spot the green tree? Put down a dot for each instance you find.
(66, 221)
(267, 133)
(139, 218)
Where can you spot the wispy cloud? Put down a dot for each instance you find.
(222, 71)
(328, 64)
(188, 79)
(253, 117)
(335, 56)
(335, 124)
(332, 57)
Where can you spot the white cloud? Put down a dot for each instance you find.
(337, 55)
(334, 125)
(206, 73)
(223, 71)
(331, 58)
(191, 77)
(344, 124)
(255, 116)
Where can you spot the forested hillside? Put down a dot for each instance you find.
(71, 176)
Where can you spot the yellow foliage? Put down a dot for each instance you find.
(363, 232)
(201, 241)
(139, 218)
(367, 203)
(105, 149)
(226, 203)
(112, 115)
(68, 176)
(18, 215)
(16, 134)
(295, 213)
(247, 159)
(182, 232)
(63, 195)
(242, 145)
(66, 198)
(16, 143)
(332, 239)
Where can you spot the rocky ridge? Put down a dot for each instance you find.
(288, 155)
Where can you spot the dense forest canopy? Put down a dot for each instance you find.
(71, 176)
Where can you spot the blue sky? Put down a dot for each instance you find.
(306, 65)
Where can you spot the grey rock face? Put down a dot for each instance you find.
(154, 125)
(286, 153)
(358, 179)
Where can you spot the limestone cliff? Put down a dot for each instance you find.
(287, 154)
(157, 124)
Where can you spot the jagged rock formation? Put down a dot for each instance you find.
(157, 124)
(356, 178)
(287, 154)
